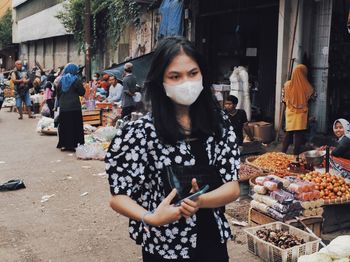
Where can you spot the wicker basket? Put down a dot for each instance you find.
(271, 253)
(255, 173)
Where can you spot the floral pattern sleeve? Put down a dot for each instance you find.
(126, 161)
(228, 160)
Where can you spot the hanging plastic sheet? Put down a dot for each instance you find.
(172, 14)
(141, 67)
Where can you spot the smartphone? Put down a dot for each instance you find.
(195, 195)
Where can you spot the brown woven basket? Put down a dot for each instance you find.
(256, 172)
(250, 161)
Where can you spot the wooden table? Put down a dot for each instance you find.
(92, 117)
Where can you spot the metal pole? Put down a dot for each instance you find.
(87, 35)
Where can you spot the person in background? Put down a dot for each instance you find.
(70, 123)
(20, 78)
(115, 90)
(2, 76)
(186, 129)
(104, 83)
(238, 118)
(340, 151)
(297, 93)
(129, 89)
(96, 77)
(2, 86)
(341, 129)
(49, 97)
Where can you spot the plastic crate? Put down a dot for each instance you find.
(271, 253)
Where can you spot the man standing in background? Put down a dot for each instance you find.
(129, 89)
(20, 78)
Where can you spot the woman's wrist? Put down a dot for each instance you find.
(150, 219)
(201, 201)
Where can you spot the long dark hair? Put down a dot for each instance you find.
(204, 113)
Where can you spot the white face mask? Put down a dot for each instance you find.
(94, 78)
(186, 93)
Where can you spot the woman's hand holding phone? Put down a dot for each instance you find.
(189, 207)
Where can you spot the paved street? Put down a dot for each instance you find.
(67, 227)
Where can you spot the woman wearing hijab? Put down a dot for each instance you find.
(70, 127)
(340, 154)
(341, 129)
(297, 93)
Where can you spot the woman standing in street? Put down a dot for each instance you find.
(297, 93)
(70, 127)
(186, 133)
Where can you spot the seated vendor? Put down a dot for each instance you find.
(115, 90)
(238, 119)
(341, 129)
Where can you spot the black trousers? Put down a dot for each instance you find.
(293, 136)
(209, 247)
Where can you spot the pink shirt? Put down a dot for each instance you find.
(48, 93)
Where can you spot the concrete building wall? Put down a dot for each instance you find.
(286, 20)
(32, 7)
(51, 52)
(319, 61)
(43, 24)
(311, 38)
(40, 52)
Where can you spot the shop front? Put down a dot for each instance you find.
(241, 33)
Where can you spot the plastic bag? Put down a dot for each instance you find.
(316, 257)
(338, 248)
(45, 110)
(44, 122)
(105, 134)
(282, 196)
(90, 151)
(259, 189)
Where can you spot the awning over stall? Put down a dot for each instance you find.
(141, 67)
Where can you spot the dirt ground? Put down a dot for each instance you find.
(75, 224)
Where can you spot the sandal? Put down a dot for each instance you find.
(20, 118)
(31, 117)
(12, 185)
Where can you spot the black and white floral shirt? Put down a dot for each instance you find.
(134, 163)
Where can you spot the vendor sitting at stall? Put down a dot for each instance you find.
(341, 129)
(340, 153)
(238, 118)
(115, 90)
(341, 148)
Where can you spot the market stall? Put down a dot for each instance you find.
(299, 194)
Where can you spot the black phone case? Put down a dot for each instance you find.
(180, 178)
